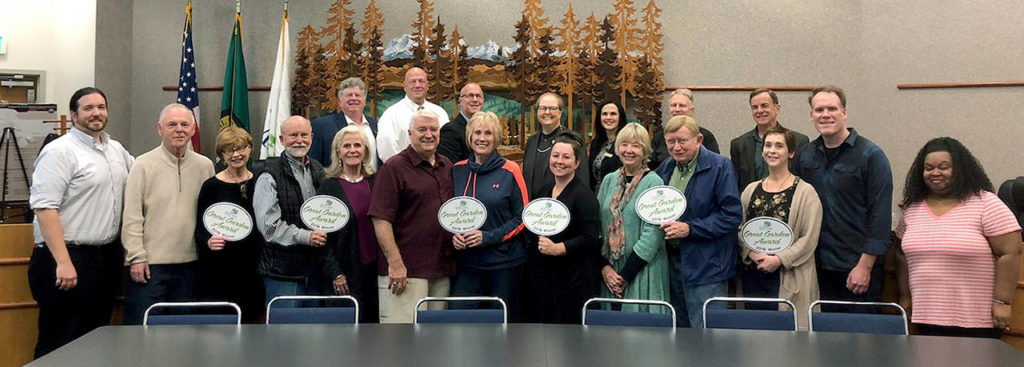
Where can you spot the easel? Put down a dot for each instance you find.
(6, 141)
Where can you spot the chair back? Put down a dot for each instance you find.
(628, 318)
(749, 319)
(204, 318)
(473, 316)
(857, 322)
(329, 314)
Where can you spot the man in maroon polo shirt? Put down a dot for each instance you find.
(417, 252)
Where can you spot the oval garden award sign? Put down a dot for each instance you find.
(767, 235)
(229, 220)
(546, 217)
(324, 213)
(462, 214)
(660, 204)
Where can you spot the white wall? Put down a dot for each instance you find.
(56, 36)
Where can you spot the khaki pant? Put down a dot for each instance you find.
(399, 309)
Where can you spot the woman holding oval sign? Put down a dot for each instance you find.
(490, 259)
(351, 258)
(788, 273)
(636, 260)
(227, 244)
(560, 272)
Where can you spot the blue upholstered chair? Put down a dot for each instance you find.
(626, 318)
(281, 312)
(459, 316)
(857, 322)
(749, 319)
(177, 316)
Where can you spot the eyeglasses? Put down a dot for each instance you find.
(548, 108)
(241, 150)
(472, 96)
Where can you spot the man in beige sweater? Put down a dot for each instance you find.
(160, 216)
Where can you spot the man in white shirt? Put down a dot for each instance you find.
(77, 196)
(393, 126)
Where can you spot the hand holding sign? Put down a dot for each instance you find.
(324, 213)
(546, 217)
(766, 235)
(462, 214)
(227, 220)
(660, 204)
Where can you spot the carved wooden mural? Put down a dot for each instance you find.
(617, 58)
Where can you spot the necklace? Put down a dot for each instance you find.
(545, 139)
(781, 183)
(357, 179)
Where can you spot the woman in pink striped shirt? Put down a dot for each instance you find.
(959, 245)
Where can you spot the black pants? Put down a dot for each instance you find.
(758, 284)
(67, 315)
(368, 302)
(832, 285)
(938, 330)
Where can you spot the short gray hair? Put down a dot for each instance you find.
(681, 91)
(424, 113)
(349, 83)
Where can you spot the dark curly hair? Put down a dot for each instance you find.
(969, 176)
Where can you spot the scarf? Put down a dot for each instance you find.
(616, 236)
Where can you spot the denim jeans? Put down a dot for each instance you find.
(688, 301)
(278, 287)
(167, 283)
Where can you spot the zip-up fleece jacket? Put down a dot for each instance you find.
(499, 185)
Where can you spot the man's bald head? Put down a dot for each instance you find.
(415, 85)
(296, 136)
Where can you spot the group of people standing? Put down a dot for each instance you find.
(98, 209)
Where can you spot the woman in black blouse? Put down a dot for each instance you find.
(561, 269)
(603, 160)
(228, 268)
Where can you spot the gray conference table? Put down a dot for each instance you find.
(513, 345)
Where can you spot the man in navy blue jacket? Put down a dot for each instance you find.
(702, 244)
(351, 101)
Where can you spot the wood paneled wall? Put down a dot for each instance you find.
(18, 311)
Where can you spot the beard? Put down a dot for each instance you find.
(297, 150)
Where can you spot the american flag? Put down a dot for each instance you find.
(188, 92)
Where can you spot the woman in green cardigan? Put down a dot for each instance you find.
(636, 264)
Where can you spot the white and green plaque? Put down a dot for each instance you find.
(766, 235)
(546, 217)
(324, 213)
(228, 220)
(462, 214)
(660, 204)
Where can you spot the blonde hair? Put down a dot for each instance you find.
(675, 123)
(337, 166)
(232, 137)
(488, 119)
(633, 131)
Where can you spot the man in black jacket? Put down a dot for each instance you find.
(453, 135)
(291, 260)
